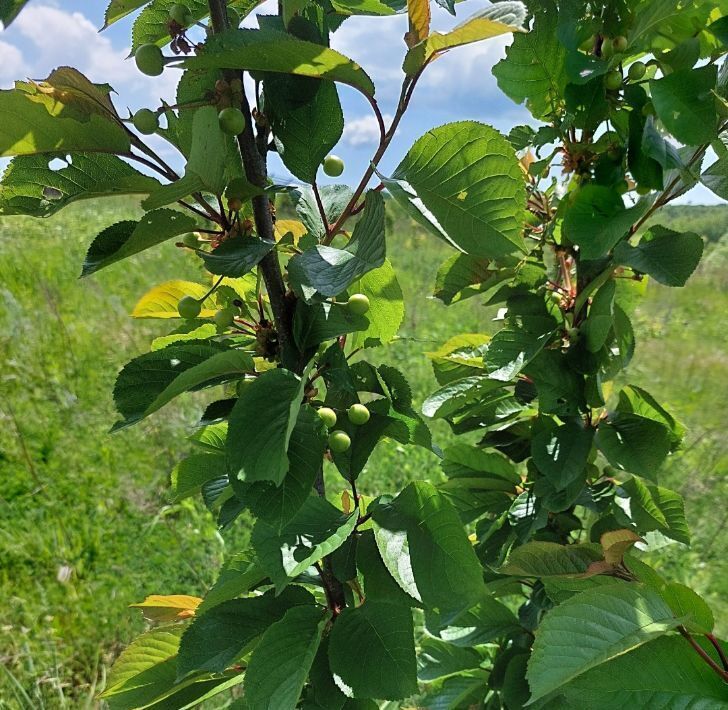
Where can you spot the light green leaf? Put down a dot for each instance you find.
(146, 381)
(669, 257)
(445, 573)
(456, 394)
(236, 257)
(161, 301)
(124, 239)
(282, 659)
(664, 673)
(460, 356)
(316, 530)
(597, 220)
(462, 181)
(386, 311)
(30, 187)
(218, 636)
(656, 508)
(514, 346)
(372, 651)
(690, 606)
(592, 628)
(561, 454)
(502, 18)
(549, 559)
(269, 50)
(257, 446)
(329, 271)
(685, 103)
(534, 66)
(33, 122)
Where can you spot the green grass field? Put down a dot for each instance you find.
(86, 526)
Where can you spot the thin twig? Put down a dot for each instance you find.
(702, 653)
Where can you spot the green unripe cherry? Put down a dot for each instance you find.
(613, 80)
(607, 48)
(238, 188)
(224, 318)
(333, 165)
(180, 14)
(149, 59)
(145, 121)
(189, 307)
(327, 416)
(190, 240)
(358, 304)
(619, 44)
(636, 71)
(232, 121)
(588, 44)
(358, 414)
(339, 441)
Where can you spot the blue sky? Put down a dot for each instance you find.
(458, 86)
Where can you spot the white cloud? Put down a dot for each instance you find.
(364, 130)
(12, 65)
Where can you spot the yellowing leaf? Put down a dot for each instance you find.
(289, 226)
(419, 21)
(500, 19)
(616, 543)
(159, 607)
(161, 301)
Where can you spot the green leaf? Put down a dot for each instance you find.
(561, 454)
(217, 637)
(278, 504)
(120, 8)
(236, 257)
(282, 659)
(465, 461)
(601, 317)
(664, 673)
(669, 257)
(318, 322)
(463, 276)
(239, 575)
(633, 443)
(424, 547)
(690, 606)
(335, 198)
(329, 271)
(685, 103)
(150, 380)
(437, 659)
(372, 650)
(32, 121)
(597, 220)
(9, 10)
(590, 629)
(30, 187)
(257, 446)
(549, 559)
(534, 66)
(462, 181)
(488, 620)
(460, 356)
(316, 530)
(500, 19)
(656, 508)
(514, 346)
(635, 400)
(145, 669)
(464, 690)
(386, 306)
(124, 239)
(191, 472)
(305, 134)
(456, 394)
(270, 50)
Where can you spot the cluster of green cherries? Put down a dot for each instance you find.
(150, 61)
(612, 46)
(339, 440)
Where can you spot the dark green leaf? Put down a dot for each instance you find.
(236, 257)
(561, 454)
